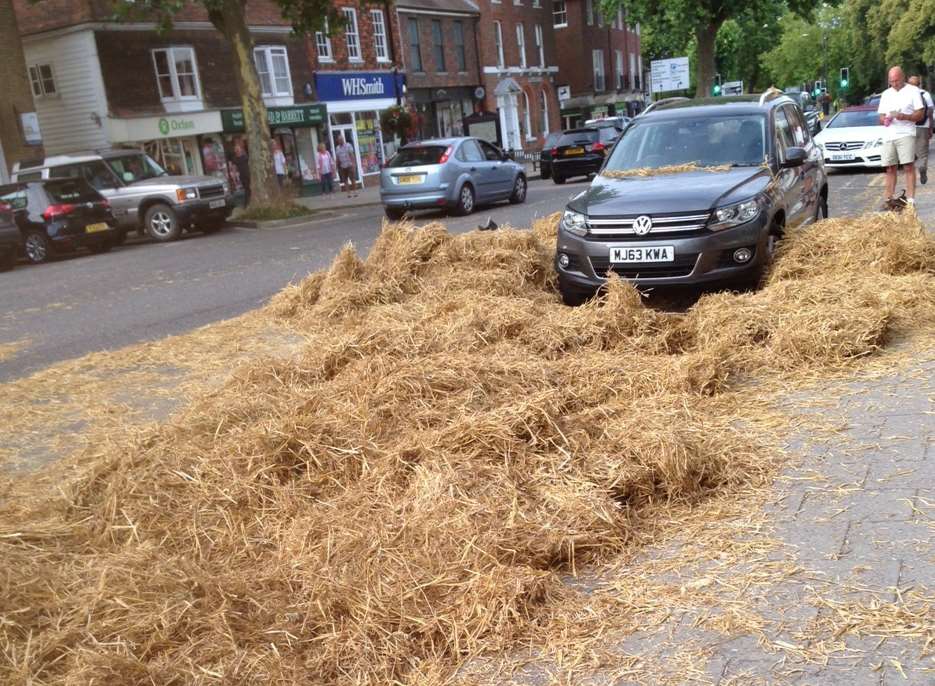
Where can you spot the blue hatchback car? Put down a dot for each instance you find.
(454, 173)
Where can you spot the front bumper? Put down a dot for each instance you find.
(194, 212)
(863, 158)
(700, 258)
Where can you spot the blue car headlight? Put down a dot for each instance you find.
(734, 215)
(575, 222)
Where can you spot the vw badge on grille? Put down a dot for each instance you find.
(642, 225)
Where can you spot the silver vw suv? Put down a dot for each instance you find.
(142, 195)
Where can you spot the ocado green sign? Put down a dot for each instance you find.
(172, 125)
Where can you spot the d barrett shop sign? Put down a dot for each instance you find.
(358, 86)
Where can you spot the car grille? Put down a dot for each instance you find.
(211, 191)
(682, 266)
(850, 145)
(621, 228)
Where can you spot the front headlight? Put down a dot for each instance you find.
(226, 188)
(184, 194)
(873, 144)
(735, 215)
(575, 222)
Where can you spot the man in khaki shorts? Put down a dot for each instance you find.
(900, 108)
(923, 131)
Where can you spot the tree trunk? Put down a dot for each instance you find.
(706, 35)
(229, 18)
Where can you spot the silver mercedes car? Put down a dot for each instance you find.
(454, 173)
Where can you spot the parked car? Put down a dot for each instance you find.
(619, 122)
(581, 152)
(545, 157)
(60, 215)
(9, 238)
(696, 225)
(144, 196)
(453, 173)
(853, 138)
(812, 120)
(873, 99)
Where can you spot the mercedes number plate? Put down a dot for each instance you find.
(96, 228)
(842, 156)
(214, 204)
(656, 253)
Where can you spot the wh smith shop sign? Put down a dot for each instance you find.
(357, 91)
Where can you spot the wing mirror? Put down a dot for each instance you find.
(795, 157)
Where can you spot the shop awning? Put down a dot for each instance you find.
(298, 116)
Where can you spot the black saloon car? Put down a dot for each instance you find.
(581, 152)
(60, 215)
(545, 156)
(740, 170)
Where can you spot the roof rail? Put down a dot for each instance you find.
(664, 101)
(771, 93)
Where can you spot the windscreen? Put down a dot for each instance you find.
(70, 191)
(737, 140)
(857, 118)
(551, 140)
(413, 157)
(135, 167)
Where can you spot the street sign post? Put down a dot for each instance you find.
(670, 75)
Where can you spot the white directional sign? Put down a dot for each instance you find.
(732, 88)
(670, 75)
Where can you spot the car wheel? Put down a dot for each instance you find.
(558, 179)
(162, 224)
(37, 247)
(519, 190)
(545, 174)
(120, 237)
(571, 296)
(394, 213)
(8, 260)
(465, 200)
(821, 212)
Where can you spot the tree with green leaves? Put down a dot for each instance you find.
(697, 19)
(230, 18)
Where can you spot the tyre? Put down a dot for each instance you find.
(558, 179)
(100, 247)
(8, 260)
(545, 173)
(519, 190)
(37, 247)
(120, 236)
(162, 224)
(821, 212)
(571, 296)
(394, 213)
(465, 203)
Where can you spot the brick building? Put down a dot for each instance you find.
(175, 94)
(440, 53)
(519, 67)
(599, 62)
(19, 131)
(357, 74)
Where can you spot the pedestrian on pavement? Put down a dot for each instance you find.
(900, 108)
(242, 164)
(279, 163)
(347, 165)
(325, 169)
(923, 131)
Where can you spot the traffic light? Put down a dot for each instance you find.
(716, 88)
(844, 77)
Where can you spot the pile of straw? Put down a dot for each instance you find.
(411, 488)
(668, 169)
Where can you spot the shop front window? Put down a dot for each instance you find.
(369, 142)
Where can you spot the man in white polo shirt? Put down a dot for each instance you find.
(900, 108)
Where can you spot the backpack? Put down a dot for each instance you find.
(926, 110)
